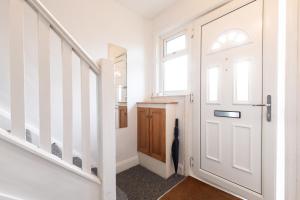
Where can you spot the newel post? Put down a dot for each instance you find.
(107, 130)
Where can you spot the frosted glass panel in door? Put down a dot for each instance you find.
(241, 81)
(213, 84)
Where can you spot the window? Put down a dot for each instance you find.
(174, 65)
(176, 44)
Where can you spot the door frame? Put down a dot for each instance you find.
(270, 26)
(292, 106)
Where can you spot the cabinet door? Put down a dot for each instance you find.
(157, 133)
(143, 130)
(122, 116)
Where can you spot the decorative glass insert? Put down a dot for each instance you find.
(176, 44)
(213, 84)
(241, 85)
(229, 39)
(175, 74)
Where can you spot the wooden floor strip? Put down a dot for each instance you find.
(193, 189)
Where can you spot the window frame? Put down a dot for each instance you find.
(164, 57)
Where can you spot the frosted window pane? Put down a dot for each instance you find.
(213, 84)
(176, 44)
(56, 89)
(175, 74)
(242, 80)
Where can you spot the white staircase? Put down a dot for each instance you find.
(34, 164)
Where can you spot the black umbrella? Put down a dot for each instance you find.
(175, 147)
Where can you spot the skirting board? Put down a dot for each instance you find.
(8, 197)
(126, 164)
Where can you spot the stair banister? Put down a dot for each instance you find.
(16, 30)
(59, 29)
(44, 83)
(47, 22)
(67, 153)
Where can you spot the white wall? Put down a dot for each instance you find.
(182, 12)
(94, 24)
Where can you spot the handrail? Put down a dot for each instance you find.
(46, 156)
(43, 11)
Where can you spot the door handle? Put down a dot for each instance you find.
(269, 107)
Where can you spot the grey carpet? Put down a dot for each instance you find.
(77, 161)
(139, 183)
(28, 136)
(55, 150)
(121, 195)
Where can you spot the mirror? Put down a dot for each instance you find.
(118, 56)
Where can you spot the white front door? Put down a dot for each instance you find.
(231, 83)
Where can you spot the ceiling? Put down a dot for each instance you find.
(147, 8)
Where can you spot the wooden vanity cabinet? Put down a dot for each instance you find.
(151, 132)
(155, 134)
(143, 130)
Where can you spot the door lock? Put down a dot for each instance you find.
(269, 107)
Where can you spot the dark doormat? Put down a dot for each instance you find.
(138, 183)
(192, 189)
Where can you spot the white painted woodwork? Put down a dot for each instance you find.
(26, 158)
(33, 166)
(85, 116)
(213, 140)
(270, 56)
(4, 196)
(31, 74)
(16, 31)
(44, 83)
(232, 81)
(5, 122)
(162, 169)
(107, 139)
(67, 103)
(59, 29)
(56, 88)
(292, 117)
